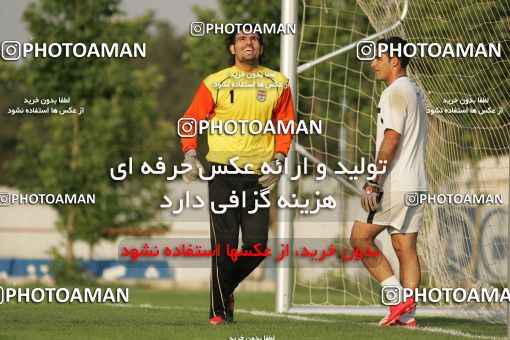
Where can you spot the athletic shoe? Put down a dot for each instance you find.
(229, 312)
(406, 320)
(410, 323)
(397, 310)
(217, 320)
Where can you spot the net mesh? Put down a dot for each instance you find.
(467, 152)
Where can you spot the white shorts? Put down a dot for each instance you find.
(395, 213)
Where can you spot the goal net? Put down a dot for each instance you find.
(461, 245)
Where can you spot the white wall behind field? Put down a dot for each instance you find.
(29, 231)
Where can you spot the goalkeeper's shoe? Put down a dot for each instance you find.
(217, 320)
(409, 323)
(405, 320)
(396, 311)
(385, 319)
(229, 312)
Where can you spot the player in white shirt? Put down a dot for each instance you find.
(388, 200)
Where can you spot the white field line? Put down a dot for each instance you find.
(452, 332)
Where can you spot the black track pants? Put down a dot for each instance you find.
(225, 273)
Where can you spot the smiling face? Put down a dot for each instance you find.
(246, 49)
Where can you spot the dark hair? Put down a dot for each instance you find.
(398, 43)
(230, 39)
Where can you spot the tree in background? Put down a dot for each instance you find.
(73, 154)
(175, 91)
(10, 96)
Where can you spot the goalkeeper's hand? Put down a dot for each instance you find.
(369, 196)
(190, 157)
(268, 180)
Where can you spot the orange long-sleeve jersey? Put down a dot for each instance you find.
(232, 94)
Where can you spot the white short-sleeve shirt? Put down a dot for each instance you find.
(402, 108)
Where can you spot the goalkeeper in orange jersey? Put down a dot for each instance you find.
(244, 91)
(401, 140)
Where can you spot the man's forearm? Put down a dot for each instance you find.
(387, 151)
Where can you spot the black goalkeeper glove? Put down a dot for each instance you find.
(270, 179)
(190, 157)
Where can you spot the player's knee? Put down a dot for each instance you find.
(353, 239)
(360, 237)
(398, 248)
(360, 241)
(355, 242)
(404, 248)
(355, 233)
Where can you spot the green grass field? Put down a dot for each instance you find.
(181, 314)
